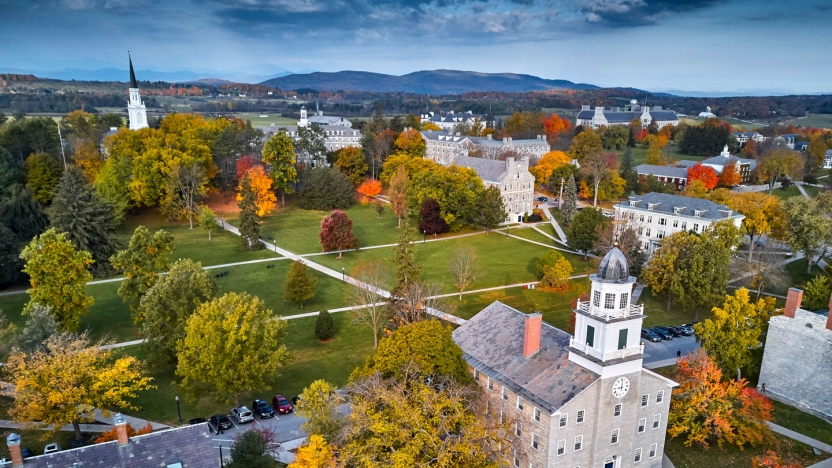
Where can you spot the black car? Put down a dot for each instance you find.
(262, 409)
(542, 198)
(650, 335)
(219, 422)
(25, 452)
(677, 331)
(664, 334)
(687, 330)
(196, 421)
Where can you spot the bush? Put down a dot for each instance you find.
(549, 260)
(324, 326)
(326, 189)
(810, 179)
(535, 218)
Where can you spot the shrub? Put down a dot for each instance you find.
(550, 259)
(324, 326)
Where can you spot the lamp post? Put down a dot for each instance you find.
(178, 410)
(560, 201)
(222, 465)
(424, 236)
(343, 275)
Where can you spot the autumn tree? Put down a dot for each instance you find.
(410, 142)
(772, 460)
(763, 214)
(71, 377)
(369, 294)
(141, 263)
(43, 173)
(655, 156)
(736, 331)
(58, 275)
(336, 233)
(599, 167)
(583, 232)
(765, 270)
(222, 334)
(165, 308)
(584, 144)
(730, 175)
(547, 164)
(816, 295)
(695, 189)
(279, 154)
(777, 163)
(430, 220)
(183, 189)
(315, 453)
(816, 150)
(370, 188)
(112, 434)
(300, 283)
(704, 173)
(208, 220)
(399, 183)
(261, 185)
(570, 201)
(463, 266)
(319, 404)
(807, 227)
(88, 159)
(407, 269)
(351, 162)
(555, 125)
(249, 219)
(706, 409)
(554, 271)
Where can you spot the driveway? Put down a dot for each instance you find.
(666, 349)
(286, 428)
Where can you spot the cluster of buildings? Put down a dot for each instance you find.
(449, 121)
(677, 173)
(338, 130)
(598, 117)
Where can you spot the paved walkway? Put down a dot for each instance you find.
(802, 191)
(555, 225)
(800, 437)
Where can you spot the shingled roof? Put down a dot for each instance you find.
(491, 170)
(492, 343)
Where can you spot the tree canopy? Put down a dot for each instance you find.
(144, 259)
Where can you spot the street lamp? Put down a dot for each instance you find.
(424, 236)
(222, 465)
(343, 275)
(178, 410)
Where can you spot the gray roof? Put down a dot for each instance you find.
(746, 134)
(435, 136)
(457, 117)
(614, 268)
(492, 343)
(726, 160)
(662, 171)
(485, 141)
(490, 170)
(189, 445)
(627, 116)
(666, 203)
(686, 163)
(326, 119)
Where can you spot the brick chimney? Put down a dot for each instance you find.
(121, 428)
(13, 441)
(531, 334)
(829, 318)
(793, 299)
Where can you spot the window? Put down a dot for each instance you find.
(616, 411)
(695, 228)
(590, 334)
(657, 419)
(637, 458)
(675, 223)
(641, 218)
(476, 375)
(501, 416)
(561, 447)
(174, 465)
(622, 338)
(579, 442)
(622, 302)
(644, 399)
(490, 384)
(535, 443)
(609, 301)
(564, 418)
(537, 415)
(659, 396)
(662, 221)
(642, 424)
(660, 234)
(505, 394)
(649, 220)
(518, 429)
(640, 230)
(614, 438)
(520, 403)
(647, 232)
(516, 461)
(596, 298)
(684, 225)
(580, 418)
(653, 449)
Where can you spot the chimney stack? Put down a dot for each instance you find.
(121, 428)
(13, 441)
(531, 334)
(793, 299)
(829, 318)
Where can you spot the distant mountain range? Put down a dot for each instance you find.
(422, 82)
(117, 74)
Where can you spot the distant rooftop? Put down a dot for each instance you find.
(681, 206)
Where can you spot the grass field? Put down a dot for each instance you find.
(730, 456)
(792, 191)
(258, 121)
(745, 125)
(640, 155)
(812, 120)
(804, 423)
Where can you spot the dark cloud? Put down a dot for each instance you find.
(632, 13)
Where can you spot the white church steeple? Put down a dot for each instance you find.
(607, 336)
(303, 122)
(135, 108)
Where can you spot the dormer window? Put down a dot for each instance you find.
(634, 202)
(698, 213)
(652, 206)
(678, 209)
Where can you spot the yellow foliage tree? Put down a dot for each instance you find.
(763, 213)
(547, 164)
(261, 185)
(88, 159)
(411, 142)
(655, 145)
(696, 189)
(556, 277)
(315, 453)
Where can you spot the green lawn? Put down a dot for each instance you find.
(640, 154)
(812, 120)
(811, 190)
(804, 423)
(657, 314)
(531, 234)
(792, 191)
(310, 360)
(258, 121)
(732, 457)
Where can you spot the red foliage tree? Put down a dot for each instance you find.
(641, 135)
(244, 164)
(704, 173)
(730, 176)
(112, 434)
(430, 219)
(772, 460)
(336, 233)
(750, 149)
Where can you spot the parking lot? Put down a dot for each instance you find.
(286, 428)
(666, 349)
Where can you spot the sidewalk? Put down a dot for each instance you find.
(555, 225)
(800, 437)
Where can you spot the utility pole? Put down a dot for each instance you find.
(560, 202)
(62, 144)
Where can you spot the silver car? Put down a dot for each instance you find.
(242, 415)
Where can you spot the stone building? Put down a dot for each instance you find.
(443, 147)
(578, 401)
(598, 117)
(337, 136)
(136, 111)
(798, 357)
(511, 176)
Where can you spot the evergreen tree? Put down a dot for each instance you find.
(493, 210)
(21, 213)
(628, 172)
(249, 451)
(249, 220)
(407, 270)
(10, 172)
(570, 201)
(430, 218)
(87, 220)
(10, 262)
(300, 284)
(583, 232)
(324, 326)
(326, 189)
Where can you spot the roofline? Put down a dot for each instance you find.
(670, 383)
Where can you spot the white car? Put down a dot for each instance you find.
(242, 415)
(608, 214)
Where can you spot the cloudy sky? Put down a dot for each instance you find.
(704, 45)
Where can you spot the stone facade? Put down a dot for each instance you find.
(511, 176)
(600, 117)
(443, 147)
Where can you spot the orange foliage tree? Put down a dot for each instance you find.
(708, 409)
(112, 434)
(704, 173)
(261, 184)
(547, 165)
(772, 460)
(554, 126)
(730, 176)
(584, 191)
(369, 189)
(750, 149)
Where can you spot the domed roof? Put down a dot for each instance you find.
(614, 267)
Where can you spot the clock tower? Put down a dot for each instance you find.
(135, 108)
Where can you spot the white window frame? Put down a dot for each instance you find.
(657, 421)
(596, 298)
(642, 425)
(520, 403)
(561, 447)
(609, 301)
(535, 441)
(645, 399)
(505, 393)
(490, 384)
(654, 449)
(579, 443)
(518, 429)
(516, 461)
(637, 457)
(647, 232)
(622, 302)
(564, 420)
(675, 223)
(616, 410)
(659, 396)
(537, 414)
(615, 436)
(580, 417)
(476, 375)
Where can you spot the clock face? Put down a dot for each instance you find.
(621, 387)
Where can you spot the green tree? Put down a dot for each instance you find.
(27, 135)
(208, 220)
(250, 450)
(326, 189)
(319, 404)
(570, 201)
(184, 187)
(734, 333)
(10, 172)
(615, 137)
(279, 154)
(324, 326)
(249, 220)
(584, 144)
(312, 141)
(652, 183)
(627, 171)
(817, 293)
(43, 173)
(40, 326)
(58, 274)
(300, 283)
(141, 263)
(583, 232)
(22, 213)
(659, 273)
(807, 227)
(550, 259)
(10, 262)
(232, 345)
(777, 163)
(112, 184)
(492, 209)
(351, 162)
(407, 270)
(87, 220)
(165, 308)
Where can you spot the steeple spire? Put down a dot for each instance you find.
(133, 83)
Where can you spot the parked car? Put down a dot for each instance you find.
(608, 214)
(242, 415)
(262, 409)
(51, 448)
(295, 400)
(196, 421)
(219, 421)
(687, 330)
(676, 331)
(664, 334)
(650, 335)
(542, 198)
(281, 404)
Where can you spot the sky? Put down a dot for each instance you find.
(658, 45)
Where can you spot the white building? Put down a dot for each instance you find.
(449, 120)
(511, 176)
(827, 160)
(575, 401)
(658, 215)
(135, 107)
(326, 120)
(745, 137)
(443, 147)
(337, 136)
(707, 114)
(617, 116)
